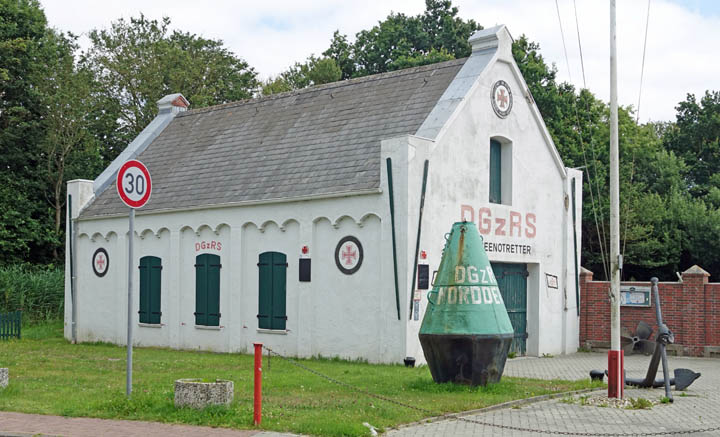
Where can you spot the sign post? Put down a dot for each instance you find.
(134, 187)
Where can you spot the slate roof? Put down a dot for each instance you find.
(315, 141)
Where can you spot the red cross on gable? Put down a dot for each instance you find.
(348, 255)
(502, 98)
(100, 262)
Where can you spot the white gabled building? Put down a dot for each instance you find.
(270, 218)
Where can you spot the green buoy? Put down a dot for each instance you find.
(466, 332)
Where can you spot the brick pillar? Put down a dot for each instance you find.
(693, 305)
(585, 277)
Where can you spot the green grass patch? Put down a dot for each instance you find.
(50, 376)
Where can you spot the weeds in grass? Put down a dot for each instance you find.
(584, 349)
(512, 355)
(664, 400)
(639, 404)
(547, 356)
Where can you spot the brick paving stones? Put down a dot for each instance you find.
(26, 425)
(699, 409)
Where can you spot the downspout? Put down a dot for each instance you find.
(73, 287)
(417, 243)
(392, 220)
(575, 250)
(565, 225)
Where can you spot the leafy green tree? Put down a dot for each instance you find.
(25, 54)
(695, 137)
(400, 41)
(315, 71)
(137, 62)
(655, 206)
(67, 147)
(342, 52)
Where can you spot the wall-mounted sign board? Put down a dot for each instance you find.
(634, 296)
(552, 280)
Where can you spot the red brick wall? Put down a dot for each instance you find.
(691, 309)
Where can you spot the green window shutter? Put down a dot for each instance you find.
(155, 289)
(213, 290)
(201, 274)
(265, 290)
(495, 172)
(279, 280)
(144, 311)
(207, 290)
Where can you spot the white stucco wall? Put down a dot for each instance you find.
(458, 189)
(349, 316)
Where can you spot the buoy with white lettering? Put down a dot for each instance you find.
(466, 332)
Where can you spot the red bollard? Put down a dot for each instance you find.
(257, 405)
(616, 373)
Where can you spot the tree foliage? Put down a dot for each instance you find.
(315, 71)
(399, 41)
(663, 219)
(695, 137)
(65, 114)
(25, 53)
(138, 61)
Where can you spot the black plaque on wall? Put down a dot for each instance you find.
(423, 276)
(304, 269)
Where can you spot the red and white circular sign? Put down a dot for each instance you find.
(134, 184)
(349, 255)
(100, 262)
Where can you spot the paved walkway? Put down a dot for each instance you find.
(26, 425)
(699, 409)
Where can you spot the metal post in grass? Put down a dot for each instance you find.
(257, 403)
(134, 187)
(128, 373)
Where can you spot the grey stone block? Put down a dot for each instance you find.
(195, 393)
(4, 377)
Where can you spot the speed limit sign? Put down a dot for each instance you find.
(134, 184)
(134, 187)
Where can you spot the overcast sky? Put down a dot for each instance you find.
(682, 48)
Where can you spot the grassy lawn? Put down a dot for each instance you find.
(50, 376)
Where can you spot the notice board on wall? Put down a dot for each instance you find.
(635, 296)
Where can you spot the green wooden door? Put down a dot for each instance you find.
(207, 289)
(495, 172)
(272, 289)
(512, 280)
(150, 289)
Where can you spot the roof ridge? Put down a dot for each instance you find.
(327, 86)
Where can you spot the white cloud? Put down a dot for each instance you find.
(272, 35)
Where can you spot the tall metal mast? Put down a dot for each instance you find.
(615, 356)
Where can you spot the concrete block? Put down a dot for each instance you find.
(4, 377)
(195, 393)
(710, 352)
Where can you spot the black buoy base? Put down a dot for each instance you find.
(466, 359)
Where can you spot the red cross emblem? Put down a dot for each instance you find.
(100, 262)
(348, 255)
(502, 98)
